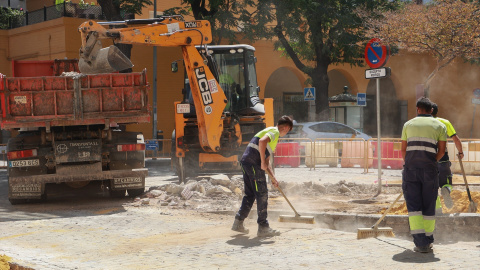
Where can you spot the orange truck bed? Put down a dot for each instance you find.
(48, 101)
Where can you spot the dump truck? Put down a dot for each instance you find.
(68, 131)
(221, 109)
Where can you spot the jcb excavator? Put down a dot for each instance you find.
(221, 110)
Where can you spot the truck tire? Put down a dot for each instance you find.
(135, 192)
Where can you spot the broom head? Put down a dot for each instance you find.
(363, 233)
(297, 219)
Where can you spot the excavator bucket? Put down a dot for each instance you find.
(109, 59)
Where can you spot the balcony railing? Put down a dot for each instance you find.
(67, 9)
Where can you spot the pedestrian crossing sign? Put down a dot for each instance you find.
(309, 93)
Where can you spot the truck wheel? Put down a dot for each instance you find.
(117, 193)
(135, 192)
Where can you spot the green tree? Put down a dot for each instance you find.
(222, 14)
(9, 16)
(314, 34)
(114, 9)
(445, 29)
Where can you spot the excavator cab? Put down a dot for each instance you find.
(234, 66)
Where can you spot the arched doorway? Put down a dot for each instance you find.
(390, 110)
(285, 85)
(339, 78)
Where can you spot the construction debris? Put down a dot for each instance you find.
(460, 204)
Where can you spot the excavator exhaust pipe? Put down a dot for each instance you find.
(107, 60)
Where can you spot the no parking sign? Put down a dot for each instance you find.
(376, 54)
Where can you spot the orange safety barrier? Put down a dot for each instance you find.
(391, 155)
(354, 153)
(287, 153)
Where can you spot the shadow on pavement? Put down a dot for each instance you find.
(247, 242)
(410, 256)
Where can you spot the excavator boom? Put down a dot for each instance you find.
(209, 97)
(165, 32)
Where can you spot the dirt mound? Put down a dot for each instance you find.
(460, 204)
(4, 262)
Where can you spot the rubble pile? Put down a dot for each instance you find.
(220, 193)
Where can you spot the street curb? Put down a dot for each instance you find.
(449, 227)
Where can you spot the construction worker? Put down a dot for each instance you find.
(423, 144)
(228, 85)
(444, 172)
(254, 163)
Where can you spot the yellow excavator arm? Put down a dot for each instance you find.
(209, 97)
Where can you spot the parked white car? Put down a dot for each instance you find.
(314, 130)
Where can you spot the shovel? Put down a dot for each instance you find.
(472, 207)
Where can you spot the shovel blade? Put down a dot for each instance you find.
(107, 60)
(472, 207)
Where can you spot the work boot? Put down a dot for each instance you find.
(446, 197)
(238, 226)
(266, 231)
(425, 249)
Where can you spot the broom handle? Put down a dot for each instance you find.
(465, 179)
(386, 211)
(296, 214)
(281, 191)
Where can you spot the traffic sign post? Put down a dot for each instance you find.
(376, 56)
(383, 72)
(309, 93)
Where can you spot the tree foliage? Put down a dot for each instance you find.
(222, 14)
(9, 16)
(315, 34)
(445, 29)
(113, 9)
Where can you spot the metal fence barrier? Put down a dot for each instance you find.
(357, 152)
(66, 9)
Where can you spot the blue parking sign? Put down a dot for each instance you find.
(361, 99)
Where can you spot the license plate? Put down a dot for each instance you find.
(24, 163)
(127, 180)
(183, 108)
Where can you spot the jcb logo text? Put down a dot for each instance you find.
(203, 85)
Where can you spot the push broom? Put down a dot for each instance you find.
(376, 231)
(297, 218)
